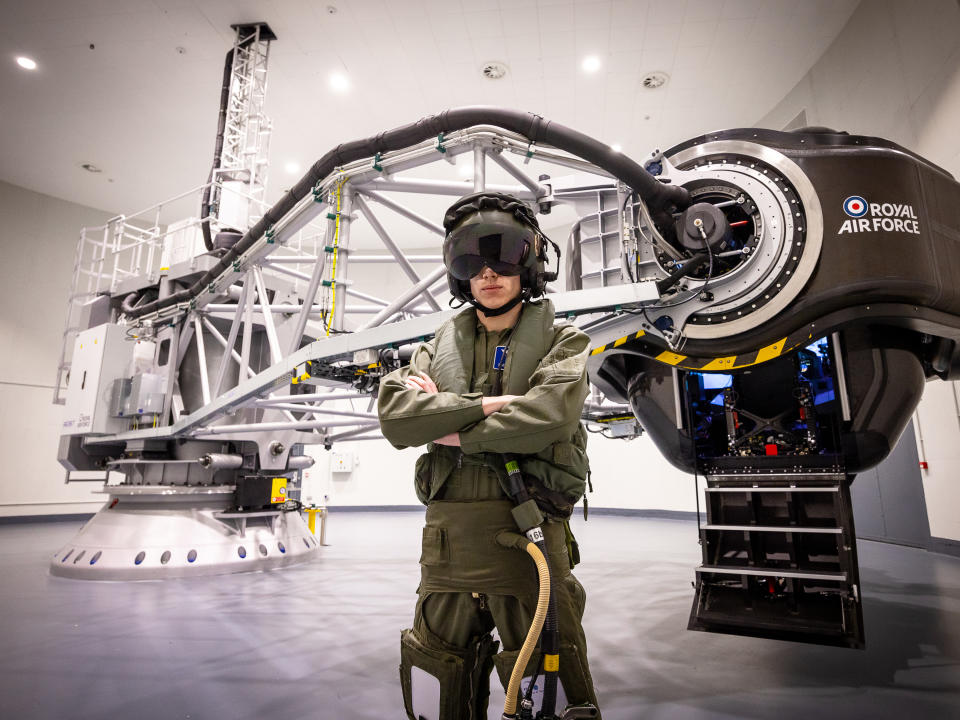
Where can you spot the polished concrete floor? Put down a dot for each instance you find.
(321, 640)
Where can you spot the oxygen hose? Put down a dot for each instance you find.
(514, 540)
(531, 126)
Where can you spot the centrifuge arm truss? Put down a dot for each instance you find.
(360, 189)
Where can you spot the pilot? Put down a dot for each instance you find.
(498, 378)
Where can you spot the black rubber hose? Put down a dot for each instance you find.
(549, 645)
(533, 127)
(689, 266)
(217, 151)
(127, 305)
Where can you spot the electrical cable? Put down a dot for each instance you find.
(693, 445)
(336, 246)
(217, 151)
(528, 695)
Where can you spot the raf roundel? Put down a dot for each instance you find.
(855, 206)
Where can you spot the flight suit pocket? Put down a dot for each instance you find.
(564, 453)
(435, 548)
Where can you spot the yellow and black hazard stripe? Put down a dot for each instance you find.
(708, 364)
(617, 343)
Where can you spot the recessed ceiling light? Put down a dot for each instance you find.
(27, 63)
(292, 168)
(617, 147)
(591, 63)
(339, 82)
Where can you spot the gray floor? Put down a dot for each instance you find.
(321, 640)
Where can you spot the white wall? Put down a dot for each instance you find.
(630, 475)
(39, 239)
(894, 72)
(937, 427)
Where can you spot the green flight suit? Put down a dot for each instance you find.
(469, 583)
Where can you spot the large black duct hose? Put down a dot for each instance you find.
(533, 127)
(217, 150)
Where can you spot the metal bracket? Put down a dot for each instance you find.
(531, 149)
(236, 522)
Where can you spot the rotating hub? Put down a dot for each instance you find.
(760, 225)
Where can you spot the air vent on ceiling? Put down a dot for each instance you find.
(654, 80)
(494, 70)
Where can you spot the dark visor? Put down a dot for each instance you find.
(468, 255)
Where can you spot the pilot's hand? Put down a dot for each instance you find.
(421, 381)
(498, 402)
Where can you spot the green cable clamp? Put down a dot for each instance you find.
(326, 283)
(270, 236)
(212, 289)
(318, 193)
(331, 216)
(329, 248)
(530, 150)
(193, 303)
(237, 266)
(440, 146)
(376, 163)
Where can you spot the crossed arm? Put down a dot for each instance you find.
(413, 411)
(490, 405)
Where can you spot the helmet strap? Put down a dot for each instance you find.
(493, 312)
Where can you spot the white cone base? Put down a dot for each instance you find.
(177, 539)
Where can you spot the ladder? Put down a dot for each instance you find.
(779, 557)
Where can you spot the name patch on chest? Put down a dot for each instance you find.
(500, 357)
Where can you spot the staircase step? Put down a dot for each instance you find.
(773, 572)
(775, 528)
(753, 488)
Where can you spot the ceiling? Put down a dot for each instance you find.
(133, 86)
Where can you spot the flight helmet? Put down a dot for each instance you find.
(495, 230)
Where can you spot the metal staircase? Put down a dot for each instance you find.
(780, 557)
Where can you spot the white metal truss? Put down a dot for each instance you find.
(294, 282)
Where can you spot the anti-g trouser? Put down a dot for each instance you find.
(469, 585)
